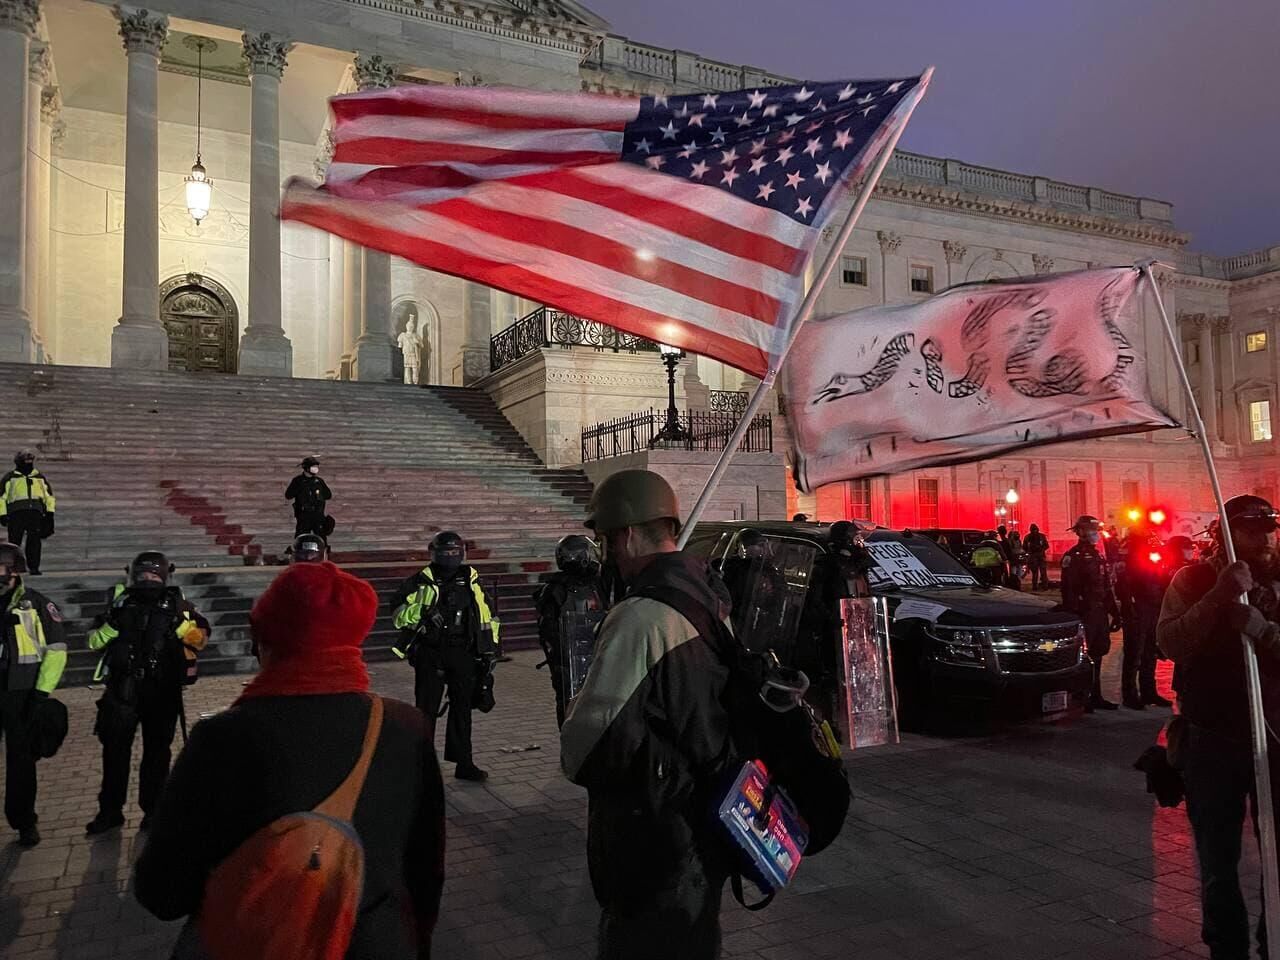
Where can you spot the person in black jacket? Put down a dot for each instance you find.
(574, 589)
(1087, 592)
(309, 494)
(1037, 547)
(648, 736)
(285, 745)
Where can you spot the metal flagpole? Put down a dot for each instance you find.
(1264, 813)
(803, 313)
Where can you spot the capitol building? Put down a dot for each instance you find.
(104, 263)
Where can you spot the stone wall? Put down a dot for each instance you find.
(753, 488)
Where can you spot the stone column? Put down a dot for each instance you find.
(352, 278)
(474, 357)
(373, 352)
(890, 243)
(139, 340)
(18, 20)
(264, 349)
(1208, 378)
(50, 107)
(954, 253)
(39, 69)
(331, 361)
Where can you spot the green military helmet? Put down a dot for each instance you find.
(629, 498)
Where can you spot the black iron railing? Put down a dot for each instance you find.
(546, 327)
(729, 401)
(708, 430)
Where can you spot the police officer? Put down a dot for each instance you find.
(149, 635)
(309, 548)
(33, 654)
(1087, 592)
(758, 592)
(27, 507)
(1200, 628)
(1037, 547)
(1140, 585)
(569, 603)
(450, 636)
(309, 494)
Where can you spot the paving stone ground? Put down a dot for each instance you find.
(1032, 842)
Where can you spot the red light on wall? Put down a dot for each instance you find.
(1158, 517)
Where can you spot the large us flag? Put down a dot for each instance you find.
(684, 219)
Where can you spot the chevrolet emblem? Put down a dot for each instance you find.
(1048, 646)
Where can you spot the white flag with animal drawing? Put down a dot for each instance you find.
(976, 371)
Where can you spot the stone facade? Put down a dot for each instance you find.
(88, 239)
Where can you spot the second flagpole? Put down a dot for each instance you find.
(805, 311)
(1264, 812)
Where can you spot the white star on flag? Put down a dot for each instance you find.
(744, 120)
(655, 162)
(689, 150)
(843, 139)
(823, 173)
(669, 131)
(643, 144)
(771, 110)
(728, 157)
(729, 176)
(794, 180)
(894, 87)
(699, 169)
(803, 94)
(793, 119)
(709, 101)
(785, 155)
(718, 136)
(660, 100)
(848, 91)
(765, 191)
(757, 99)
(804, 207)
(757, 147)
(814, 146)
(758, 164)
(696, 119)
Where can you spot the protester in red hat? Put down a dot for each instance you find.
(294, 735)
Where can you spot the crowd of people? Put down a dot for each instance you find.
(331, 798)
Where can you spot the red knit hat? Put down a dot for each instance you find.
(309, 626)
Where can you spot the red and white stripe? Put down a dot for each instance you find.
(524, 191)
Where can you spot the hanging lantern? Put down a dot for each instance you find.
(199, 186)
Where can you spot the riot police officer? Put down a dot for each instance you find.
(450, 636)
(1087, 592)
(149, 636)
(309, 494)
(758, 592)
(27, 507)
(570, 604)
(309, 548)
(1140, 583)
(33, 654)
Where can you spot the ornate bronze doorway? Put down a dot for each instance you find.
(201, 319)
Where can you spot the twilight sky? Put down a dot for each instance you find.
(1178, 100)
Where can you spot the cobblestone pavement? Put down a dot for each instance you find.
(1035, 842)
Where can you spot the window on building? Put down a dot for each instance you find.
(859, 492)
(1077, 499)
(1130, 493)
(1260, 420)
(853, 271)
(927, 503)
(921, 278)
(1255, 342)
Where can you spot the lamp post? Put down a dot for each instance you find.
(672, 431)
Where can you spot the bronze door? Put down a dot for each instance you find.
(201, 321)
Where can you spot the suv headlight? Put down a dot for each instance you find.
(963, 647)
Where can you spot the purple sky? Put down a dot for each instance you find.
(1173, 99)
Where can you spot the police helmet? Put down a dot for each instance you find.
(309, 462)
(24, 456)
(630, 498)
(12, 559)
(578, 555)
(1248, 509)
(1086, 523)
(308, 548)
(150, 566)
(448, 545)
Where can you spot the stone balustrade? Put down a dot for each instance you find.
(1251, 264)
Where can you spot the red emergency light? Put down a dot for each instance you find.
(1134, 514)
(1154, 556)
(1157, 517)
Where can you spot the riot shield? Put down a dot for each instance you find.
(868, 698)
(577, 646)
(768, 593)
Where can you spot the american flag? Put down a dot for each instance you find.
(686, 219)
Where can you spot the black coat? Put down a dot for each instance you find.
(273, 756)
(308, 493)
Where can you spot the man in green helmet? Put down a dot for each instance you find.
(648, 735)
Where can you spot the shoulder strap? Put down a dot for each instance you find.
(704, 621)
(341, 804)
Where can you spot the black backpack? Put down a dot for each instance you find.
(793, 745)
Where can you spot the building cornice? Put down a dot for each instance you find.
(507, 24)
(932, 195)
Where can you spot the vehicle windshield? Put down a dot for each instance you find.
(913, 561)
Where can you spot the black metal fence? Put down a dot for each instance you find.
(729, 401)
(707, 430)
(546, 327)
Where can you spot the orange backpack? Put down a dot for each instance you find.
(291, 891)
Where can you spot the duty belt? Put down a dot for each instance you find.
(19, 505)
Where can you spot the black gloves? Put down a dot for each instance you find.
(1233, 582)
(1250, 621)
(47, 531)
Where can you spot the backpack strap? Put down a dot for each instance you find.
(735, 883)
(708, 625)
(341, 804)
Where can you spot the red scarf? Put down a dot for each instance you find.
(334, 670)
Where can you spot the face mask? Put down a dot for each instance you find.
(149, 590)
(1188, 555)
(26, 467)
(313, 470)
(1092, 537)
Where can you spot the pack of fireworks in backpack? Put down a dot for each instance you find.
(764, 824)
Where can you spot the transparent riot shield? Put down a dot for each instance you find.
(768, 591)
(577, 646)
(868, 698)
